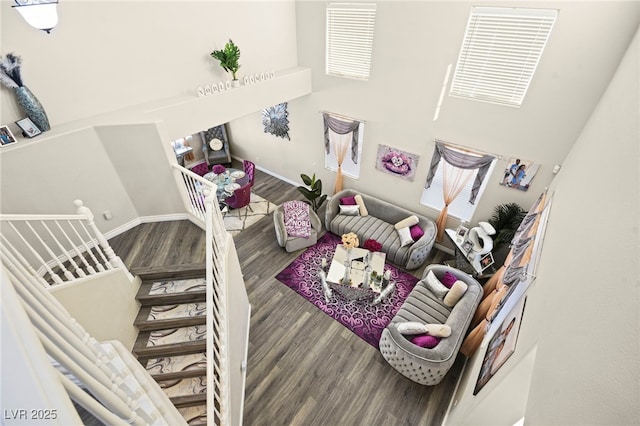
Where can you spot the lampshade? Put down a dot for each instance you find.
(40, 14)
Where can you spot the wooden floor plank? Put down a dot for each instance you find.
(303, 368)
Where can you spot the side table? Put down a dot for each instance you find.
(471, 266)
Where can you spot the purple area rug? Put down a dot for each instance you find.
(365, 320)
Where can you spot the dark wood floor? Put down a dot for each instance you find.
(304, 368)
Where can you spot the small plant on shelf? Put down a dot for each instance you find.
(229, 58)
(313, 191)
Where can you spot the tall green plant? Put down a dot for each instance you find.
(229, 58)
(313, 191)
(506, 219)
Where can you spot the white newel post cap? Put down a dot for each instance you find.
(81, 209)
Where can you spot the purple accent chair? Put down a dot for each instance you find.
(250, 170)
(200, 169)
(241, 198)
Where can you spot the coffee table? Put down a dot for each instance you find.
(359, 288)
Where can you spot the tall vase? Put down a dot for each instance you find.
(32, 107)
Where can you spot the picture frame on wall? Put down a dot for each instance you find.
(519, 173)
(501, 346)
(28, 127)
(396, 162)
(6, 137)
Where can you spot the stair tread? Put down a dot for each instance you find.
(183, 388)
(170, 367)
(172, 291)
(170, 271)
(189, 400)
(195, 414)
(176, 315)
(170, 342)
(179, 374)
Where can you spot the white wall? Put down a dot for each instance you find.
(123, 89)
(580, 325)
(414, 42)
(104, 305)
(106, 55)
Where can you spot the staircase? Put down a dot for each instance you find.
(171, 344)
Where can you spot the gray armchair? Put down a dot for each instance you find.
(216, 152)
(295, 243)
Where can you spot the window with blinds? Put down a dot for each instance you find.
(349, 43)
(500, 53)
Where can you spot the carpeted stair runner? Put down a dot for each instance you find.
(171, 344)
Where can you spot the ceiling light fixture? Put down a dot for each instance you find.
(40, 14)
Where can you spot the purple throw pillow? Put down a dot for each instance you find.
(416, 232)
(425, 341)
(348, 201)
(449, 279)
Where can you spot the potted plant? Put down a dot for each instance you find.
(229, 57)
(506, 219)
(313, 191)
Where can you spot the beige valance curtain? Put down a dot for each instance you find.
(348, 130)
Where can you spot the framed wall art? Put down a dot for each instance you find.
(29, 129)
(6, 137)
(501, 346)
(396, 162)
(519, 173)
(275, 120)
(486, 261)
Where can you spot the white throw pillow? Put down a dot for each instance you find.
(216, 144)
(350, 210)
(455, 293)
(405, 236)
(436, 287)
(360, 203)
(438, 330)
(412, 327)
(405, 223)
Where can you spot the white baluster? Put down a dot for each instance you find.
(33, 251)
(87, 248)
(6, 246)
(88, 403)
(116, 401)
(28, 288)
(76, 250)
(68, 256)
(111, 255)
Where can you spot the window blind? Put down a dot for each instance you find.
(500, 53)
(349, 43)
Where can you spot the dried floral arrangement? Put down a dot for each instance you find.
(350, 240)
(10, 71)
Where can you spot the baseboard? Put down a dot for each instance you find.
(144, 219)
(269, 172)
(453, 402)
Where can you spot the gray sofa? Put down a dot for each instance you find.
(423, 365)
(379, 225)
